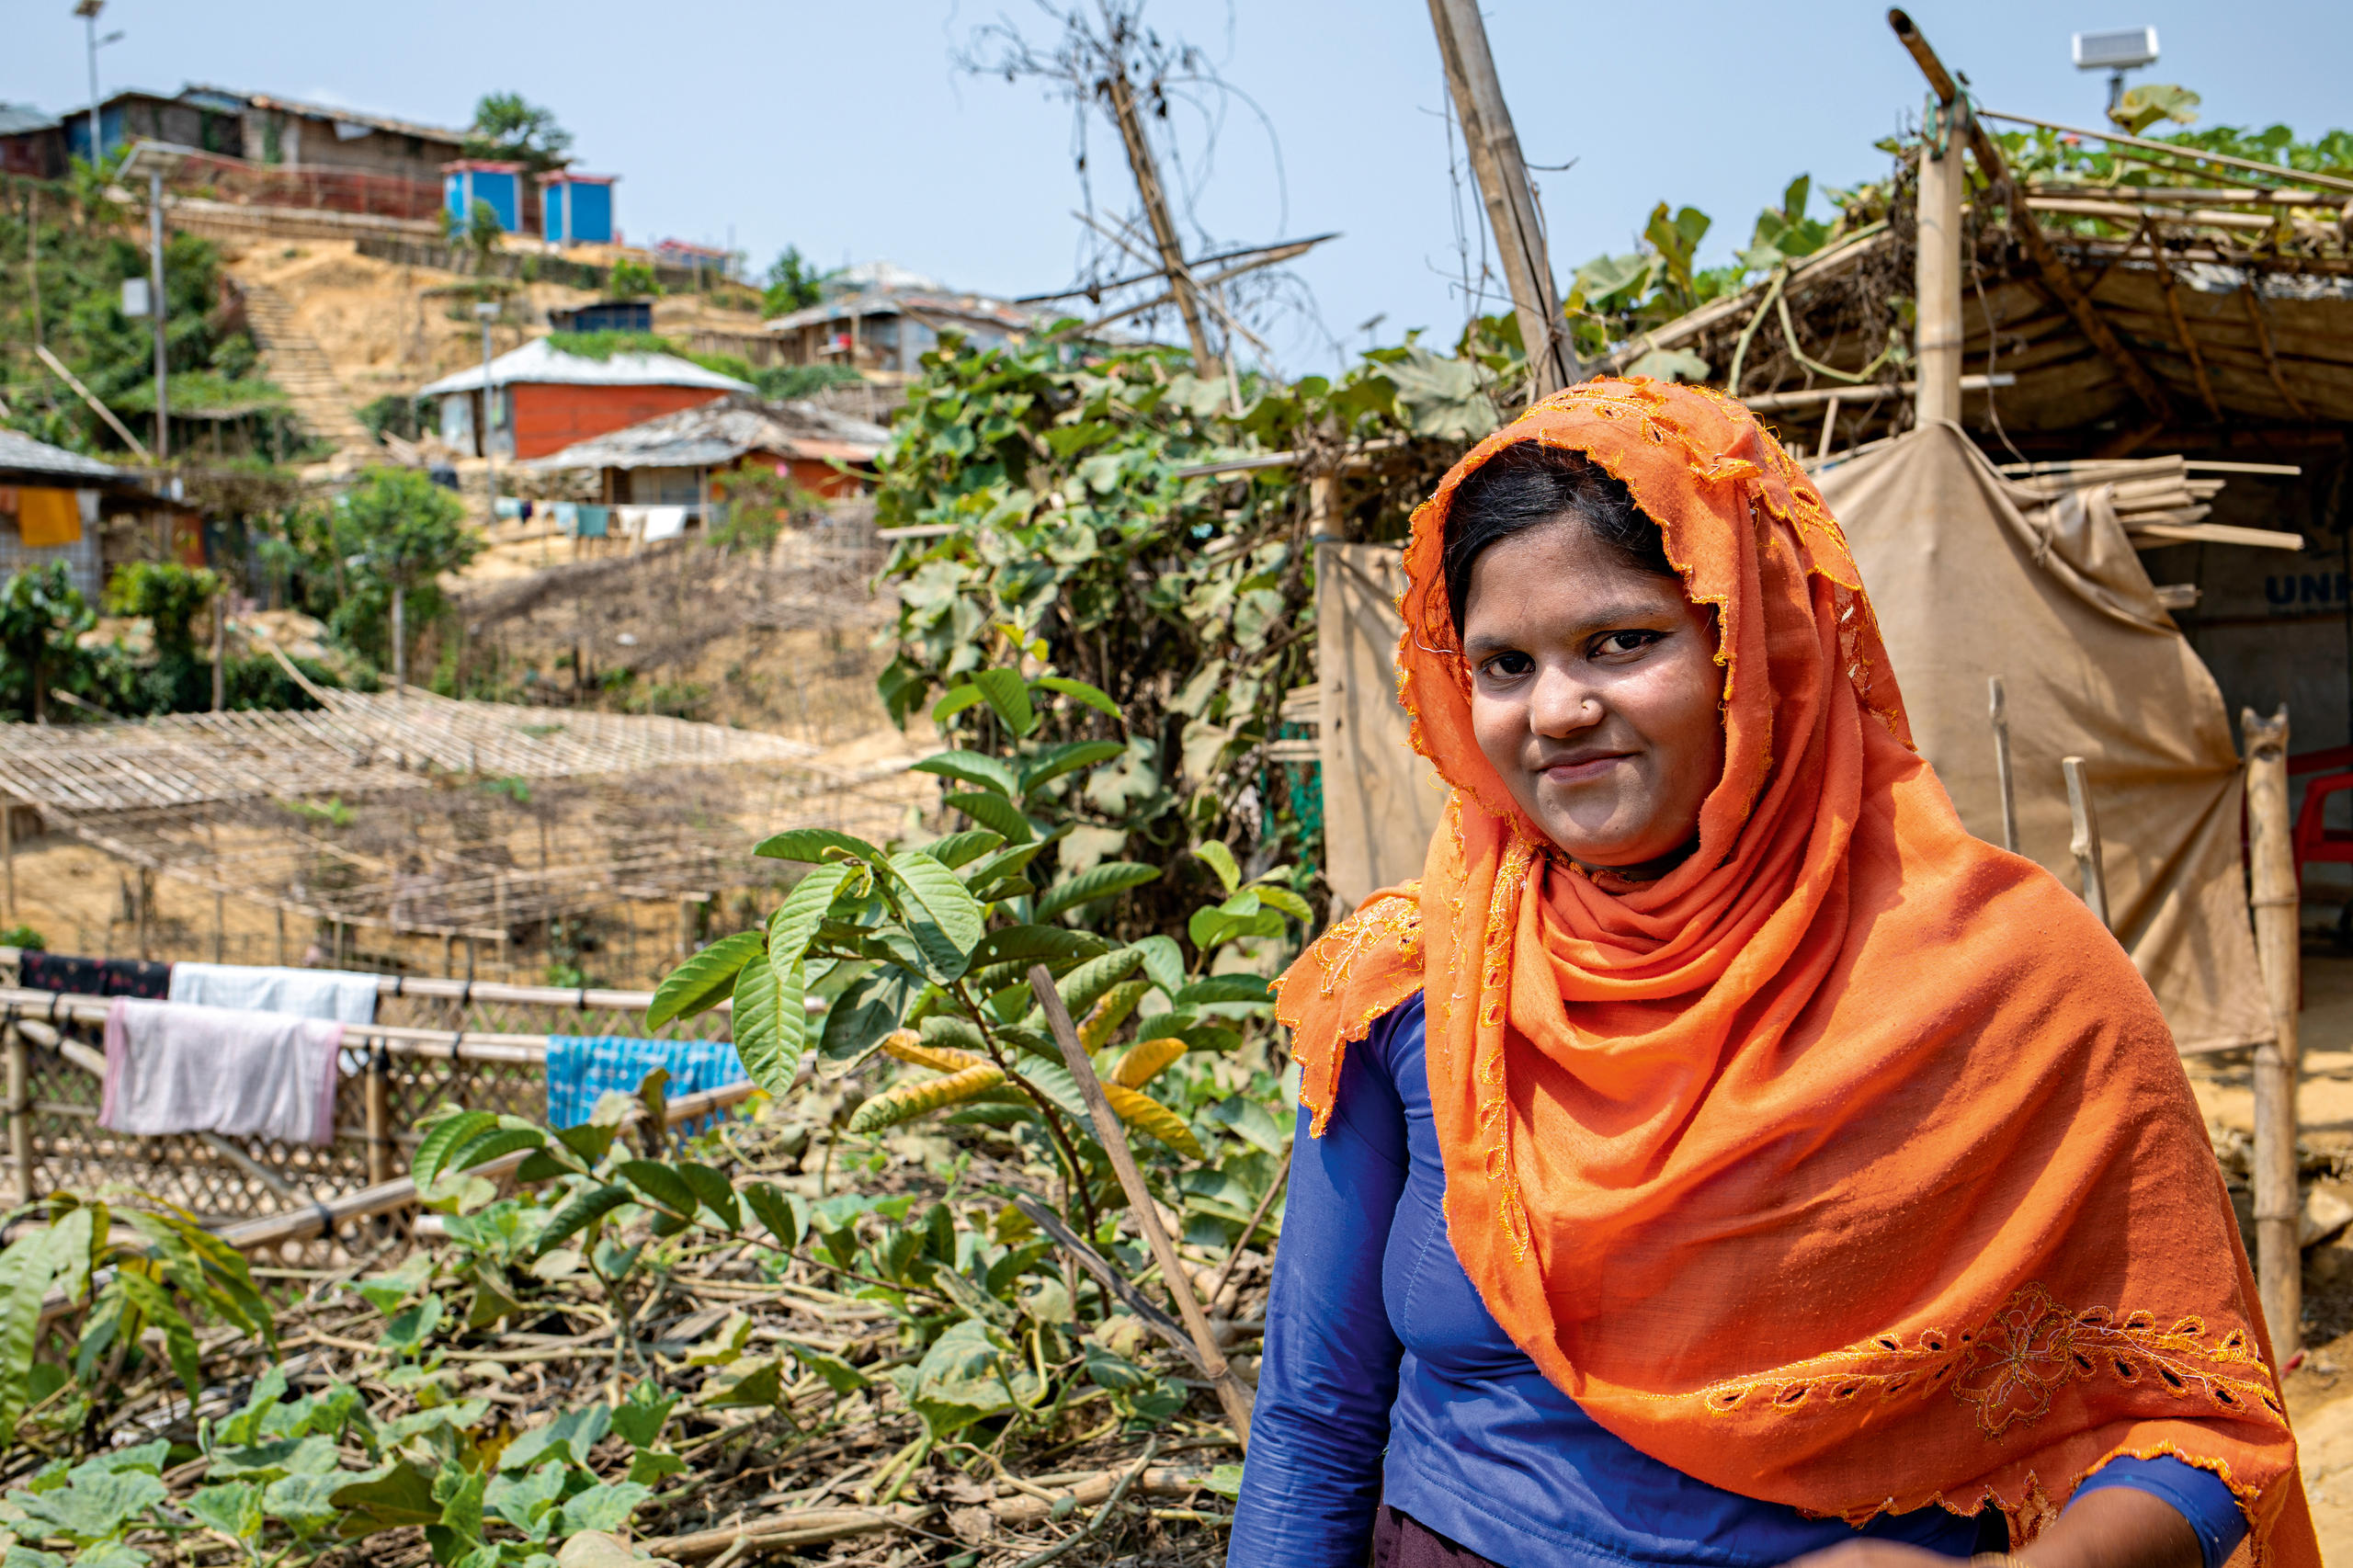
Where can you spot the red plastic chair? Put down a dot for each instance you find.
(2315, 842)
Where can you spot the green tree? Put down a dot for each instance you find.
(483, 231)
(41, 613)
(792, 282)
(509, 127)
(631, 279)
(393, 535)
(170, 595)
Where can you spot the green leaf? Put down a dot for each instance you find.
(580, 1209)
(306, 1503)
(529, 1501)
(795, 922)
(1009, 694)
(839, 1375)
(444, 1136)
(1049, 944)
(491, 1144)
(1055, 761)
(1164, 961)
(1219, 858)
(410, 1330)
(972, 767)
(233, 1509)
(771, 1021)
(571, 1436)
(945, 920)
(1290, 903)
(714, 1191)
(764, 1387)
(1225, 1480)
(784, 1214)
(661, 1183)
(604, 1507)
(591, 1140)
(956, 700)
(1224, 988)
(959, 849)
(870, 1009)
(638, 1419)
(996, 813)
(809, 843)
(697, 985)
(179, 1339)
(399, 1497)
(1107, 880)
(1094, 697)
(1084, 986)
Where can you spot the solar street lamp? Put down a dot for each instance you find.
(2116, 52)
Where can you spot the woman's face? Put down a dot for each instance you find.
(1594, 693)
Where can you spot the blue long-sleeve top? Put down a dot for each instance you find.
(1386, 1378)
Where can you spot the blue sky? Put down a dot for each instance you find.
(846, 131)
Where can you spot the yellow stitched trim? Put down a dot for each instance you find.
(1395, 920)
(2007, 1369)
(1494, 1115)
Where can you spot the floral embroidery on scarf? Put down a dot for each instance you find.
(2008, 1370)
(1392, 920)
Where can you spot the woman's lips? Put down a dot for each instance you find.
(1584, 770)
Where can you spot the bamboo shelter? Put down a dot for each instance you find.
(482, 819)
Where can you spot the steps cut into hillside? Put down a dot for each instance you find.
(299, 365)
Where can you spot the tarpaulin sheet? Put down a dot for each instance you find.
(1974, 575)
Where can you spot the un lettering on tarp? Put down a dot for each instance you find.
(1381, 799)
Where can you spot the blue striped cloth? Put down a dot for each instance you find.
(580, 1069)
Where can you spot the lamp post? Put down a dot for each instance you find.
(88, 11)
(486, 312)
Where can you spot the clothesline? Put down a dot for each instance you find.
(399, 1040)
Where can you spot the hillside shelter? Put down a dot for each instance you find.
(469, 180)
(544, 399)
(54, 506)
(672, 460)
(881, 320)
(577, 209)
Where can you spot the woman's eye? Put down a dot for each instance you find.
(1619, 643)
(1509, 666)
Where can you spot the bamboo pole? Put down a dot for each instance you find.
(1146, 169)
(1938, 334)
(1231, 1394)
(20, 1121)
(2084, 843)
(2002, 764)
(1506, 190)
(2275, 908)
(8, 854)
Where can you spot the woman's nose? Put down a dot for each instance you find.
(1562, 705)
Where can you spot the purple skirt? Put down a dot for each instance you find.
(1400, 1540)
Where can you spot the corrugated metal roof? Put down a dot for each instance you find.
(909, 302)
(723, 431)
(22, 454)
(328, 111)
(17, 118)
(540, 362)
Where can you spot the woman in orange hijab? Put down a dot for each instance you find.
(1719, 1156)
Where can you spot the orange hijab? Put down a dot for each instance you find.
(1848, 1165)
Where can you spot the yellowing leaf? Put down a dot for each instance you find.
(1110, 1012)
(908, 1046)
(907, 1101)
(1148, 1115)
(1144, 1061)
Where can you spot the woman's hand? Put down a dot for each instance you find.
(2116, 1527)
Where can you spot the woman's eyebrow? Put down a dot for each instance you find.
(1631, 614)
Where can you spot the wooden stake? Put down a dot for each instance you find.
(2271, 853)
(220, 645)
(2084, 843)
(20, 1121)
(1231, 1392)
(2002, 765)
(1504, 185)
(380, 1118)
(8, 854)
